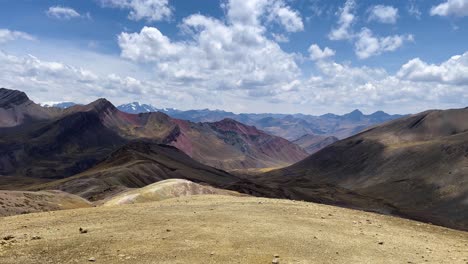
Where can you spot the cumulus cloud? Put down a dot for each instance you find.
(457, 8)
(365, 43)
(56, 81)
(61, 12)
(280, 38)
(290, 19)
(316, 53)
(7, 35)
(453, 71)
(254, 12)
(233, 54)
(149, 10)
(368, 45)
(383, 14)
(345, 21)
(336, 85)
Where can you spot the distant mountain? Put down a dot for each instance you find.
(136, 108)
(314, 143)
(77, 138)
(290, 127)
(62, 105)
(416, 165)
(16, 108)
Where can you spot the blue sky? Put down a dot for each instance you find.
(308, 56)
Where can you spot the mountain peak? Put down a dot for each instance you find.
(137, 108)
(101, 104)
(356, 112)
(355, 115)
(12, 97)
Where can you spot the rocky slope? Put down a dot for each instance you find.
(22, 202)
(314, 143)
(16, 108)
(417, 164)
(136, 165)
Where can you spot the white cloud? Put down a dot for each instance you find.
(347, 18)
(280, 38)
(57, 81)
(9, 35)
(149, 10)
(254, 12)
(368, 45)
(290, 19)
(383, 14)
(61, 12)
(413, 9)
(233, 55)
(451, 8)
(453, 71)
(365, 43)
(336, 85)
(318, 54)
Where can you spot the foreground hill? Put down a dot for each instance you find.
(136, 165)
(222, 229)
(163, 190)
(417, 164)
(20, 202)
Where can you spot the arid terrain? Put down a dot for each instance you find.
(222, 229)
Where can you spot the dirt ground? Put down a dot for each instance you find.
(222, 229)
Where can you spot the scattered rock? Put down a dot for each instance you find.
(92, 259)
(9, 237)
(168, 230)
(36, 238)
(381, 243)
(83, 231)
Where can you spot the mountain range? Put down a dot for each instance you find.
(77, 138)
(288, 126)
(413, 167)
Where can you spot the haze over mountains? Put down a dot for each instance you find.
(288, 126)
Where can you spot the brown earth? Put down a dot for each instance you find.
(163, 190)
(314, 143)
(21, 202)
(137, 165)
(221, 229)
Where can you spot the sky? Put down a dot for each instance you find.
(278, 56)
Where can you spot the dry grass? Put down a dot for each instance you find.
(221, 229)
